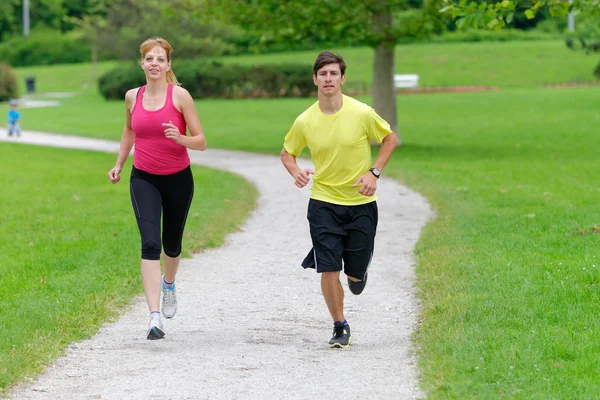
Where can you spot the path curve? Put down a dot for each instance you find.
(252, 324)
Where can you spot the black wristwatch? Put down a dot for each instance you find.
(375, 172)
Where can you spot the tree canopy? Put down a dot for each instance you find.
(498, 14)
(345, 22)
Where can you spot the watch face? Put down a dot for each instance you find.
(375, 171)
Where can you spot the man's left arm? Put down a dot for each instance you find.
(368, 182)
(388, 144)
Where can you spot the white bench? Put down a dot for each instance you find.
(402, 81)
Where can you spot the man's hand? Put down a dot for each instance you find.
(368, 184)
(302, 178)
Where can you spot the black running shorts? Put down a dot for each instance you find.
(169, 196)
(342, 236)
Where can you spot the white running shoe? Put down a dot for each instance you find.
(155, 328)
(169, 301)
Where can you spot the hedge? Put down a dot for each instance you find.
(215, 80)
(8, 83)
(44, 48)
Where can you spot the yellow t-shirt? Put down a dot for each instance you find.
(340, 148)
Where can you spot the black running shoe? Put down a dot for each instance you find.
(341, 336)
(357, 287)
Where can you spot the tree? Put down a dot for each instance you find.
(586, 37)
(89, 23)
(130, 22)
(44, 13)
(498, 14)
(9, 20)
(347, 22)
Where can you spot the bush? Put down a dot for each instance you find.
(586, 37)
(552, 25)
(8, 83)
(215, 80)
(116, 82)
(477, 35)
(44, 47)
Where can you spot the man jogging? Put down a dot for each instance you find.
(342, 211)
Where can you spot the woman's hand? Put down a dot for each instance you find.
(114, 173)
(172, 132)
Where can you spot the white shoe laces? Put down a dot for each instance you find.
(169, 297)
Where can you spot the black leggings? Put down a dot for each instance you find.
(152, 193)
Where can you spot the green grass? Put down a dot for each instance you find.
(70, 247)
(508, 272)
(501, 64)
(62, 78)
(507, 65)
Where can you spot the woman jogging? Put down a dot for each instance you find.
(158, 115)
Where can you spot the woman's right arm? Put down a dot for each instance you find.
(127, 138)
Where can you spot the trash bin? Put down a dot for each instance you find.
(30, 82)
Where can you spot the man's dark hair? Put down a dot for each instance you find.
(326, 58)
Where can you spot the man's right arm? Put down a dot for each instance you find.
(301, 177)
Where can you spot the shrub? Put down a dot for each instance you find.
(116, 82)
(44, 47)
(215, 80)
(586, 37)
(8, 83)
(476, 35)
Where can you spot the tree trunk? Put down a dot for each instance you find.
(384, 93)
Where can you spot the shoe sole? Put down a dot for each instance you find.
(155, 333)
(337, 345)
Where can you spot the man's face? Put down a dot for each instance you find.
(329, 79)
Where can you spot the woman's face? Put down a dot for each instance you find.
(155, 63)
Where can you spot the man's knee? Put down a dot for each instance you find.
(330, 276)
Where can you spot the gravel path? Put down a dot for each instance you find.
(252, 324)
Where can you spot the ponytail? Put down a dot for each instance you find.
(171, 78)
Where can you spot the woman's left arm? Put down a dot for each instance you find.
(184, 100)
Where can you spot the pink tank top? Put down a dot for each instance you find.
(153, 152)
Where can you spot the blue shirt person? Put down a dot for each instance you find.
(14, 117)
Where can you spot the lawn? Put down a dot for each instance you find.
(508, 272)
(63, 78)
(501, 64)
(70, 247)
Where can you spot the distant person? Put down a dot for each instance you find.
(158, 115)
(14, 116)
(342, 210)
